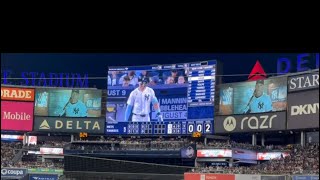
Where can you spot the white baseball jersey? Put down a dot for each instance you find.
(141, 102)
(261, 104)
(78, 109)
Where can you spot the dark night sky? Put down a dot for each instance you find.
(96, 64)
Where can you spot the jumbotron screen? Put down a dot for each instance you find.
(173, 99)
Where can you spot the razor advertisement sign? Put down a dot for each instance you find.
(69, 125)
(250, 123)
(303, 109)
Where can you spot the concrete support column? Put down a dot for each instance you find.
(302, 140)
(254, 139)
(262, 139)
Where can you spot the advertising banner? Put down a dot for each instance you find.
(16, 116)
(69, 125)
(266, 177)
(214, 153)
(260, 96)
(13, 172)
(244, 154)
(11, 137)
(208, 176)
(32, 140)
(57, 151)
(306, 177)
(45, 170)
(188, 152)
(250, 123)
(303, 109)
(17, 94)
(68, 103)
(271, 155)
(43, 177)
(303, 82)
(247, 177)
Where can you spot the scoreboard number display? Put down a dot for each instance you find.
(199, 127)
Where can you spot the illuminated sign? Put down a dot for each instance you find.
(46, 79)
(214, 153)
(17, 94)
(304, 62)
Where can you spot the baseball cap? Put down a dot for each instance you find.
(260, 82)
(143, 79)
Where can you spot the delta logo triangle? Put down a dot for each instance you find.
(44, 125)
(257, 72)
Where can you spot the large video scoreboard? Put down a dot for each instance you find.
(185, 93)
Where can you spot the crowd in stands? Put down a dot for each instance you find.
(113, 144)
(8, 151)
(130, 78)
(34, 164)
(232, 144)
(302, 160)
(53, 144)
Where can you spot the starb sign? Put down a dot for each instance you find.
(251, 123)
(303, 82)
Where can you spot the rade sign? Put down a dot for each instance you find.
(17, 94)
(16, 116)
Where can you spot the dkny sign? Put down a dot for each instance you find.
(303, 110)
(69, 125)
(250, 123)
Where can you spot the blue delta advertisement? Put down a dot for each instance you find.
(43, 177)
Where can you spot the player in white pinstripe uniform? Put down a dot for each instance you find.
(139, 103)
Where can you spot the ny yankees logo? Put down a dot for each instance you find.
(146, 96)
(75, 110)
(260, 105)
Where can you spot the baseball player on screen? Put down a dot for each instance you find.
(259, 102)
(74, 107)
(139, 103)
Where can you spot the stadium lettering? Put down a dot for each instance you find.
(70, 125)
(303, 63)
(16, 116)
(19, 94)
(305, 109)
(256, 125)
(304, 81)
(50, 79)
